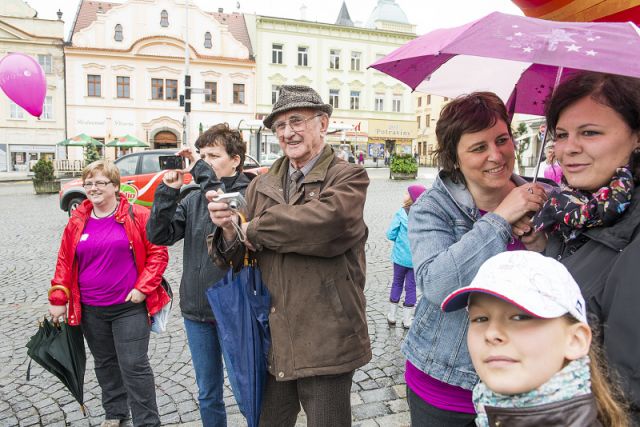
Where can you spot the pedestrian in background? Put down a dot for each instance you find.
(476, 208)
(553, 170)
(222, 152)
(531, 345)
(361, 158)
(306, 226)
(109, 275)
(594, 223)
(401, 258)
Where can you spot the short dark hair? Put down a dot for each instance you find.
(466, 114)
(222, 135)
(620, 93)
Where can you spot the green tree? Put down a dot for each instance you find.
(522, 145)
(91, 154)
(43, 171)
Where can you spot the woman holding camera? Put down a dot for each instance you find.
(109, 276)
(222, 152)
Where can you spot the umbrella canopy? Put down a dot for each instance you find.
(60, 350)
(81, 140)
(240, 303)
(127, 141)
(582, 10)
(492, 53)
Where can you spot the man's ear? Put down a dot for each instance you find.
(324, 124)
(578, 341)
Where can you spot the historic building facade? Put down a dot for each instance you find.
(25, 139)
(126, 71)
(372, 111)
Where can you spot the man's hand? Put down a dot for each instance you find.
(175, 178)
(135, 296)
(222, 216)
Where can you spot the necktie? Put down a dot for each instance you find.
(293, 183)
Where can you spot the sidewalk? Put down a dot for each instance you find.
(15, 176)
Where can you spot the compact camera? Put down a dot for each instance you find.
(234, 200)
(171, 162)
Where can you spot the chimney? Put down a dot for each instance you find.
(303, 12)
(59, 13)
(220, 10)
(100, 10)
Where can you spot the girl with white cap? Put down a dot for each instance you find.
(530, 344)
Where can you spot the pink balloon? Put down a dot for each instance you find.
(22, 79)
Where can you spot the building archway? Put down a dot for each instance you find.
(165, 138)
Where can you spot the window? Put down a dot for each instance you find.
(127, 165)
(213, 95)
(45, 62)
(428, 99)
(355, 61)
(275, 89)
(238, 93)
(379, 102)
(355, 100)
(16, 111)
(418, 118)
(172, 89)
(164, 19)
(122, 87)
(396, 104)
(207, 40)
(419, 101)
(427, 121)
(93, 85)
(117, 34)
(303, 56)
(150, 163)
(334, 59)
(276, 54)
(47, 108)
(334, 98)
(157, 89)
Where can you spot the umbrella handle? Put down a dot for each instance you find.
(546, 129)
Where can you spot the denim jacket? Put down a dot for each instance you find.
(449, 241)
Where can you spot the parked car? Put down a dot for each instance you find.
(269, 158)
(140, 175)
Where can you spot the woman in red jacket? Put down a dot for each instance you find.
(109, 275)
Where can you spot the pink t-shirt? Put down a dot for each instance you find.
(553, 172)
(106, 267)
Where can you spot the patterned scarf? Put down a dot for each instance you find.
(572, 381)
(570, 212)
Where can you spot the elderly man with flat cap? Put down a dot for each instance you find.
(305, 224)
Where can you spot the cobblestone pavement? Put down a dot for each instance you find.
(29, 240)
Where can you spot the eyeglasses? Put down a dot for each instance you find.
(296, 123)
(99, 184)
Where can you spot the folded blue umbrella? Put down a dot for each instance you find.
(240, 302)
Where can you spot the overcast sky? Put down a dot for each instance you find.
(427, 15)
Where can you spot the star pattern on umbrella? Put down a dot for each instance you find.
(556, 37)
(591, 52)
(573, 48)
(527, 49)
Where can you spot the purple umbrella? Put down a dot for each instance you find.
(521, 59)
(492, 52)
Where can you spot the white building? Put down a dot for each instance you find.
(25, 139)
(126, 71)
(371, 109)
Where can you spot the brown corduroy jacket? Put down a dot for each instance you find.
(311, 253)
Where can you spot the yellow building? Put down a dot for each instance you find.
(428, 109)
(333, 59)
(25, 139)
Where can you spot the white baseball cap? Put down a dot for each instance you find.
(537, 284)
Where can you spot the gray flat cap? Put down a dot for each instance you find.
(294, 96)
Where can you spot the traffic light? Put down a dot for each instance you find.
(187, 93)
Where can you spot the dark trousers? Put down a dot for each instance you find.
(425, 415)
(326, 399)
(118, 337)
